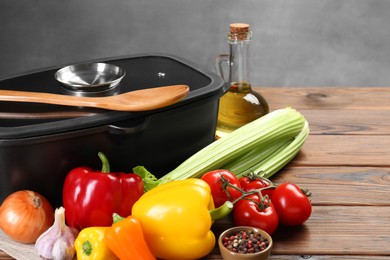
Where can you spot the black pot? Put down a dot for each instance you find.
(40, 144)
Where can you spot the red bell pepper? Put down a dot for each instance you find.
(91, 197)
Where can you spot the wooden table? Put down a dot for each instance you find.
(345, 162)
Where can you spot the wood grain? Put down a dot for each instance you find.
(327, 98)
(348, 122)
(333, 230)
(348, 186)
(351, 230)
(341, 150)
(138, 100)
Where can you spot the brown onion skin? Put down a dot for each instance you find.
(25, 215)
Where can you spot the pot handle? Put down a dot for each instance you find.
(130, 126)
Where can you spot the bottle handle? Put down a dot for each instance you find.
(219, 61)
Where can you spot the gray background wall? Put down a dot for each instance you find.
(295, 43)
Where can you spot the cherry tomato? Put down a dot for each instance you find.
(221, 194)
(253, 182)
(253, 213)
(291, 204)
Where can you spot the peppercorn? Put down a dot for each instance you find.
(245, 242)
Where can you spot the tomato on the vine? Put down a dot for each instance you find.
(221, 192)
(253, 182)
(250, 211)
(292, 205)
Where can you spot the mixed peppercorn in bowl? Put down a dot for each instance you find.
(244, 242)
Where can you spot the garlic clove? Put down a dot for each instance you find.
(44, 244)
(58, 241)
(62, 250)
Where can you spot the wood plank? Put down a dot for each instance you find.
(325, 257)
(312, 257)
(352, 150)
(348, 122)
(353, 186)
(4, 256)
(338, 230)
(333, 230)
(327, 98)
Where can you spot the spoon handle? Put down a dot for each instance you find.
(41, 97)
(138, 100)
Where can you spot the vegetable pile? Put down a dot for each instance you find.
(109, 215)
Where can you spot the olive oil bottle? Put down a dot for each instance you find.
(240, 104)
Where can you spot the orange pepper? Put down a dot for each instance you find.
(126, 240)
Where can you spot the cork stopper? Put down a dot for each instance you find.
(239, 31)
(238, 28)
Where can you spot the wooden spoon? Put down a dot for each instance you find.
(138, 100)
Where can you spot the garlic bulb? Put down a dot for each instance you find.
(58, 241)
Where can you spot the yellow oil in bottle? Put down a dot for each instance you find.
(239, 106)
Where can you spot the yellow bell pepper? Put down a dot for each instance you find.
(176, 219)
(90, 245)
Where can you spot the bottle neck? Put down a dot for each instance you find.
(239, 60)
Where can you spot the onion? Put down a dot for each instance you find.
(25, 215)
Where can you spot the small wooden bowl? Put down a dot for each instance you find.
(230, 255)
